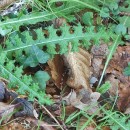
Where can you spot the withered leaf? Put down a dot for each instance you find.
(57, 70)
(79, 64)
(6, 111)
(89, 105)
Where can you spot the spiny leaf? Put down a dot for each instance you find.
(104, 88)
(23, 83)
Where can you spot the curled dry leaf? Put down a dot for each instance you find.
(84, 101)
(79, 64)
(58, 70)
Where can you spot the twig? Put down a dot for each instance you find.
(52, 117)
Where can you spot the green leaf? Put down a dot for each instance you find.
(3, 32)
(122, 19)
(41, 77)
(127, 70)
(35, 57)
(104, 12)
(120, 29)
(23, 84)
(87, 18)
(104, 88)
(113, 6)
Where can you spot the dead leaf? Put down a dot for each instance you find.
(97, 66)
(117, 79)
(99, 53)
(26, 107)
(6, 111)
(100, 50)
(79, 64)
(90, 105)
(120, 59)
(124, 99)
(40, 123)
(58, 70)
(4, 3)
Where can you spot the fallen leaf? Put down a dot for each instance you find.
(37, 123)
(97, 66)
(79, 64)
(119, 81)
(124, 99)
(99, 53)
(84, 101)
(4, 3)
(58, 71)
(26, 107)
(100, 50)
(120, 59)
(6, 112)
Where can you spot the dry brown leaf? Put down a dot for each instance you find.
(124, 99)
(100, 51)
(58, 70)
(6, 111)
(97, 66)
(4, 3)
(118, 80)
(120, 59)
(40, 123)
(89, 105)
(79, 64)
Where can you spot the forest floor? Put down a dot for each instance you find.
(64, 66)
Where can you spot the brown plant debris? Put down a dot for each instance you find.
(4, 3)
(83, 100)
(79, 64)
